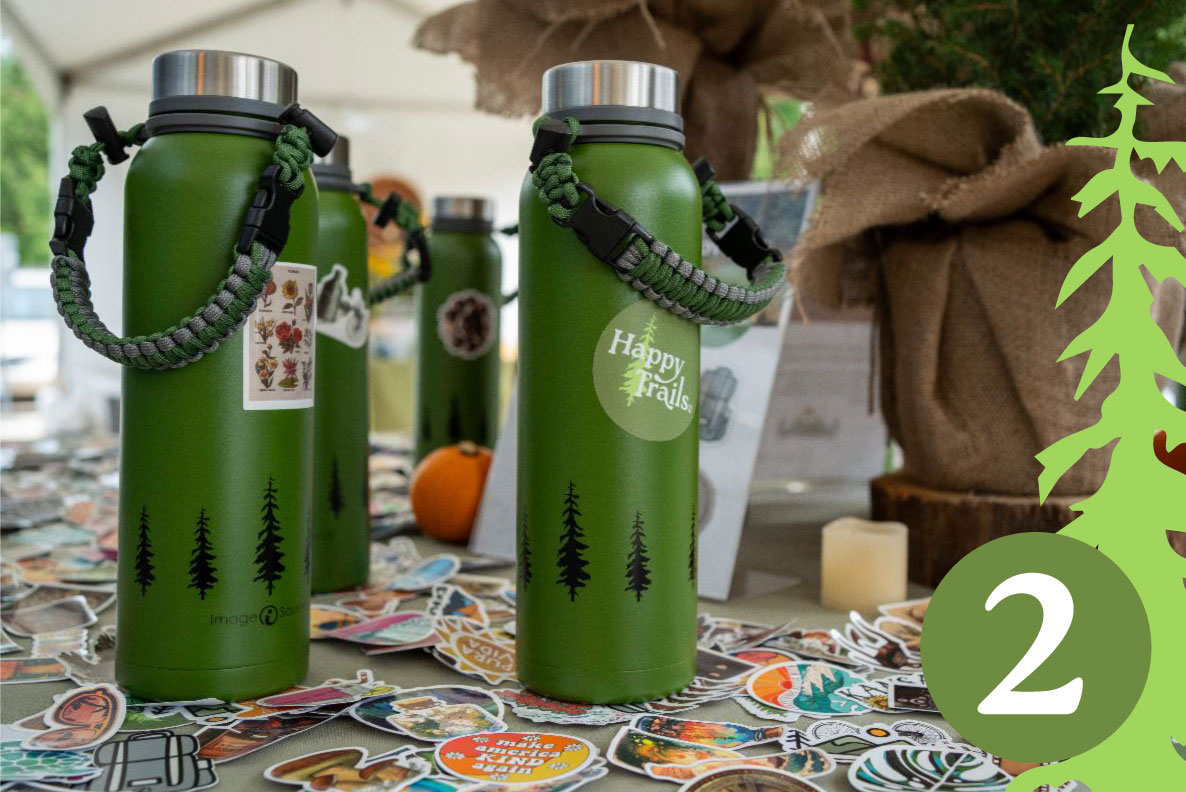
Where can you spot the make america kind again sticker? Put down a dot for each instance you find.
(514, 757)
(646, 370)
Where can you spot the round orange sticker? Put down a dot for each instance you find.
(514, 757)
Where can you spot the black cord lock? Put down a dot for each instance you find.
(415, 239)
(268, 216)
(743, 243)
(602, 227)
(103, 128)
(73, 221)
(552, 137)
(321, 137)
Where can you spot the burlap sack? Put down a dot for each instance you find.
(724, 52)
(969, 225)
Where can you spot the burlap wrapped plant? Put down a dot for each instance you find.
(944, 209)
(725, 53)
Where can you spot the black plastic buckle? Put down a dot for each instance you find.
(268, 215)
(73, 221)
(552, 137)
(419, 240)
(103, 128)
(743, 243)
(387, 210)
(703, 170)
(416, 239)
(321, 137)
(602, 227)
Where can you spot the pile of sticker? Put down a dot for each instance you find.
(806, 684)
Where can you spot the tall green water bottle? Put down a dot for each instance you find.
(608, 446)
(217, 423)
(457, 315)
(341, 521)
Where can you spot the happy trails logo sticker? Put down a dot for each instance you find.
(646, 370)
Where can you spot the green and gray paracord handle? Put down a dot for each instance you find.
(407, 218)
(648, 265)
(265, 232)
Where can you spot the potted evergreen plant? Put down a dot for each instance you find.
(950, 195)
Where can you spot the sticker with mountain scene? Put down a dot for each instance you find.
(646, 371)
(341, 311)
(466, 324)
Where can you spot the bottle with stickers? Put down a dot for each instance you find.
(608, 445)
(220, 219)
(457, 315)
(341, 508)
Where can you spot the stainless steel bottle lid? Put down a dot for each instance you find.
(332, 171)
(610, 82)
(217, 91)
(617, 101)
(462, 213)
(234, 75)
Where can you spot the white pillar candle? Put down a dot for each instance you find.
(862, 564)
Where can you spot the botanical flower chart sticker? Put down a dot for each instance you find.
(278, 341)
(515, 757)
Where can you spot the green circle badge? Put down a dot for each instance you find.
(646, 370)
(1036, 647)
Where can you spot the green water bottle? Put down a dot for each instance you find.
(611, 299)
(457, 314)
(341, 510)
(607, 479)
(220, 232)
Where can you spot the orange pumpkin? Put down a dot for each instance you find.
(446, 490)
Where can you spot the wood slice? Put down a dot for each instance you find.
(946, 526)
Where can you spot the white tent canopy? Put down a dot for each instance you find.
(407, 112)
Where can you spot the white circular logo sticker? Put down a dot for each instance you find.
(646, 370)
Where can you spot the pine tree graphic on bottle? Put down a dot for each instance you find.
(524, 554)
(144, 568)
(267, 552)
(693, 549)
(425, 425)
(633, 378)
(453, 430)
(201, 565)
(335, 489)
(570, 560)
(638, 574)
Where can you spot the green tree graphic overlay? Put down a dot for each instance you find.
(637, 366)
(1127, 518)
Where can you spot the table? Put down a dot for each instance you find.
(797, 554)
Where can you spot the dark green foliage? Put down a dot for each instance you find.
(144, 575)
(1050, 56)
(638, 574)
(335, 489)
(268, 555)
(524, 554)
(570, 559)
(26, 202)
(201, 564)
